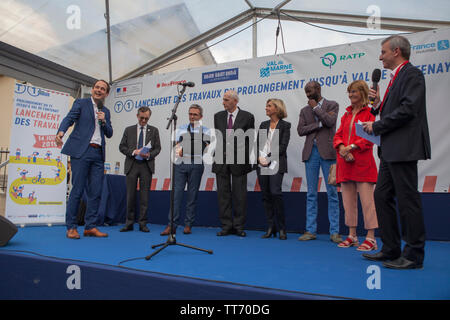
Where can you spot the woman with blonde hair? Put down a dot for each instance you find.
(356, 170)
(273, 140)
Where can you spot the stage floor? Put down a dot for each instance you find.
(313, 267)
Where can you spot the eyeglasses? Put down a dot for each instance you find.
(194, 114)
(144, 118)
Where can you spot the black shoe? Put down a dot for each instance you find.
(223, 233)
(240, 233)
(144, 228)
(402, 263)
(283, 235)
(127, 228)
(379, 256)
(269, 233)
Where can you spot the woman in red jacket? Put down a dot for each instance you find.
(356, 170)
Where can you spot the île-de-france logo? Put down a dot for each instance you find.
(443, 45)
(329, 59)
(275, 67)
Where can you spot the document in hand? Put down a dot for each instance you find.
(361, 133)
(145, 149)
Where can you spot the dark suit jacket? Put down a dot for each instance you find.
(245, 121)
(129, 143)
(283, 137)
(308, 126)
(82, 114)
(403, 124)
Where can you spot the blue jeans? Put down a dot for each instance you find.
(313, 165)
(192, 175)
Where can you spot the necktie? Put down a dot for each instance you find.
(230, 125)
(230, 122)
(141, 138)
(391, 82)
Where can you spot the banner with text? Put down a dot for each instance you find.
(37, 170)
(285, 76)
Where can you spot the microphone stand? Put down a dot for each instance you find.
(171, 239)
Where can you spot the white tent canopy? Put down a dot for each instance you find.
(149, 35)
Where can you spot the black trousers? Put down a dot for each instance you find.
(232, 194)
(139, 170)
(398, 181)
(273, 199)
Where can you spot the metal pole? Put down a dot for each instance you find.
(255, 37)
(280, 5)
(108, 33)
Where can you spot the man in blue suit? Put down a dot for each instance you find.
(86, 148)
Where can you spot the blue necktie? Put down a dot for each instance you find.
(141, 138)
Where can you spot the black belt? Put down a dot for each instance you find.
(96, 146)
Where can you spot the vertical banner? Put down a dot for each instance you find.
(37, 171)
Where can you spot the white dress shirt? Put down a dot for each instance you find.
(96, 137)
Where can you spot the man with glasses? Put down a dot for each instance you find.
(140, 144)
(191, 141)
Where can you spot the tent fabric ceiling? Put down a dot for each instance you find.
(72, 33)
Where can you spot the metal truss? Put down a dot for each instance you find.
(254, 13)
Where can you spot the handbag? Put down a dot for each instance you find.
(332, 175)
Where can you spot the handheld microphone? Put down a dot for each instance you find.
(187, 84)
(99, 107)
(376, 75)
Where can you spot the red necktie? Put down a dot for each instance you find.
(230, 122)
(390, 84)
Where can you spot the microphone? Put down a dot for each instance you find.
(376, 75)
(187, 84)
(99, 107)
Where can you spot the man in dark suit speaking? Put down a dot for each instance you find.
(140, 144)
(86, 148)
(232, 163)
(405, 139)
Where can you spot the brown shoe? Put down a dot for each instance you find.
(166, 231)
(187, 230)
(94, 232)
(72, 234)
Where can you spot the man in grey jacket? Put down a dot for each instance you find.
(317, 121)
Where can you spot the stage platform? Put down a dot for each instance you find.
(41, 263)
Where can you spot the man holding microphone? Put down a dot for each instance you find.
(403, 129)
(86, 148)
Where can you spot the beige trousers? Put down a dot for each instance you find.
(349, 191)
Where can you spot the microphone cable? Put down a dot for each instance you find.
(277, 33)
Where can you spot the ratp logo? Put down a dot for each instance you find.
(329, 59)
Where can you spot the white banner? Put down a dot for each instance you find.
(284, 76)
(37, 182)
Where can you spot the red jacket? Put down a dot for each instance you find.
(363, 169)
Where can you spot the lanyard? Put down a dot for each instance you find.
(391, 82)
